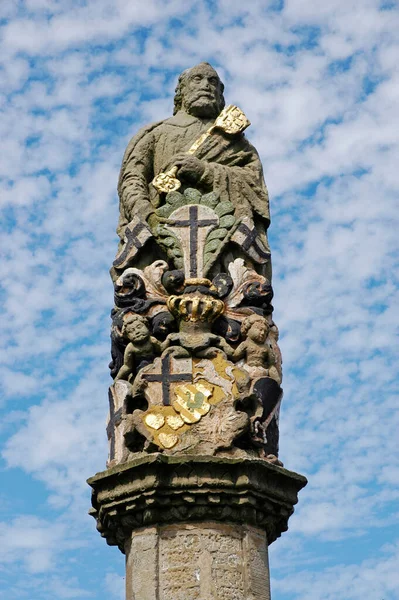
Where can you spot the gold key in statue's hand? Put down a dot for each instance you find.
(231, 120)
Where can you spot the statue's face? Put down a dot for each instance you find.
(137, 331)
(202, 92)
(259, 331)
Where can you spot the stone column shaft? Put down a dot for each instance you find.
(203, 561)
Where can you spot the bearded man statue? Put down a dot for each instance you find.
(225, 164)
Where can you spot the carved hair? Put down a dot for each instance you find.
(133, 318)
(181, 83)
(252, 320)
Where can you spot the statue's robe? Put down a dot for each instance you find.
(233, 170)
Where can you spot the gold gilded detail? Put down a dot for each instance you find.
(231, 120)
(168, 440)
(167, 182)
(198, 281)
(214, 381)
(175, 422)
(191, 402)
(155, 421)
(195, 308)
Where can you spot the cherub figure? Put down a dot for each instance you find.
(259, 356)
(142, 346)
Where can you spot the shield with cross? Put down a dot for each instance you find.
(136, 235)
(117, 395)
(164, 383)
(162, 376)
(183, 392)
(191, 224)
(248, 238)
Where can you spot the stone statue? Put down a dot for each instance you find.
(192, 331)
(259, 356)
(194, 491)
(225, 164)
(141, 349)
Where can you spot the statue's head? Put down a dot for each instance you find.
(199, 92)
(256, 328)
(135, 328)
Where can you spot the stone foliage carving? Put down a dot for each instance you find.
(195, 358)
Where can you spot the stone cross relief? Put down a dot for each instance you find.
(191, 224)
(248, 238)
(172, 371)
(136, 235)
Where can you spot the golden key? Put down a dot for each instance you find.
(231, 120)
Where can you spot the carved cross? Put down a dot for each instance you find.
(166, 377)
(191, 224)
(136, 235)
(247, 236)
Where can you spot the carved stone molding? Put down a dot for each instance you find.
(158, 489)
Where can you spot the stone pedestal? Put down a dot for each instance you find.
(197, 561)
(195, 527)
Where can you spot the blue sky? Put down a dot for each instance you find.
(319, 82)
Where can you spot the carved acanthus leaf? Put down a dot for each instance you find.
(241, 276)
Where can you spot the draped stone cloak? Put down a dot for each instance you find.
(233, 170)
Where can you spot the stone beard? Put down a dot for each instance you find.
(195, 358)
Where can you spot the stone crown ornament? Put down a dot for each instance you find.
(195, 308)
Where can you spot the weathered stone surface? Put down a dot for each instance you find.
(224, 163)
(197, 561)
(158, 489)
(194, 490)
(192, 276)
(142, 564)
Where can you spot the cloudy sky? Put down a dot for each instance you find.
(319, 81)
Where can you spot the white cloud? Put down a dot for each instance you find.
(33, 541)
(319, 83)
(374, 578)
(115, 585)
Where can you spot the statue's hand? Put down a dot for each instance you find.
(190, 167)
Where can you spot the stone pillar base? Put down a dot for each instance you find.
(197, 561)
(195, 527)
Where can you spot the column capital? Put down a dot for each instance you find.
(157, 489)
